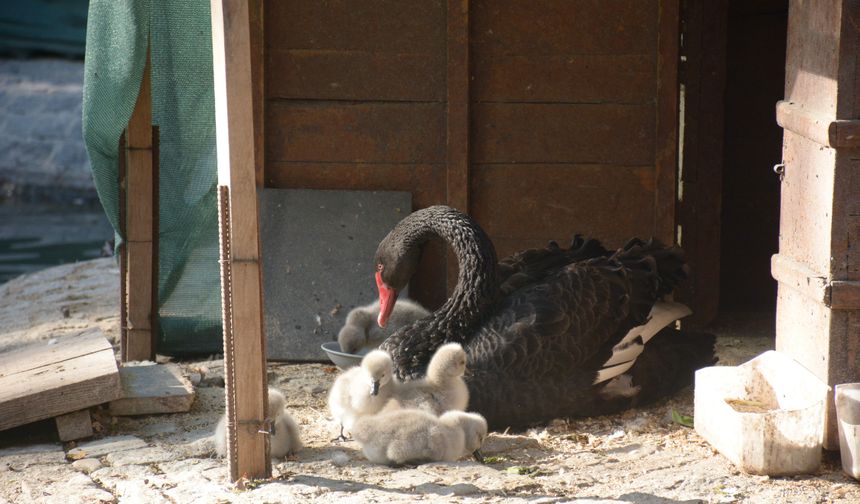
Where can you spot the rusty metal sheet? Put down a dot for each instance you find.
(355, 75)
(355, 132)
(401, 26)
(562, 133)
(544, 27)
(561, 78)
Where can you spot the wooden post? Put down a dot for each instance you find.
(457, 124)
(818, 269)
(139, 216)
(241, 285)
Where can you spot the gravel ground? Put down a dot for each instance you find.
(639, 456)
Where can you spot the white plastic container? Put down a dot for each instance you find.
(766, 415)
(847, 397)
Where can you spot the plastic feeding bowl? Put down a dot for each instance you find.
(340, 358)
(766, 415)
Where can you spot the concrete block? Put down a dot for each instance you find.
(318, 249)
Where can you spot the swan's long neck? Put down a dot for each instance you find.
(477, 286)
(476, 289)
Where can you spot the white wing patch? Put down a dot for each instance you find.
(624, 354)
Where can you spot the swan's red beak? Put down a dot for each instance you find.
(387, 298)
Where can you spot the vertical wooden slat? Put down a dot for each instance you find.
(703, 75)
(457, 125)
(139, 226)
(242, 295)
(121, 251)
(458, 104)
(256, 10)
(666, 141)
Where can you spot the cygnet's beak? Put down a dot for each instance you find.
(478, 456)
(374, 387)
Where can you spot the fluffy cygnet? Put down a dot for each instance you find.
(361, 390)
(285, 438)
(410, 435)
(443, 388)
(361, 331)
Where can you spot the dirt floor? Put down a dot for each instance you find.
(640, 456)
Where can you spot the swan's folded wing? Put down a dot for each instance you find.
(533, 265)
(557, 327)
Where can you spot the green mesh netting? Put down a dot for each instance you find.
(179, 34)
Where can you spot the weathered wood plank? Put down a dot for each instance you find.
(703, 75)
(557, 201)
(76, 425)
(140, 224)
(458, 105)
(666, 142)
(78, 378)
(806, 202)
(563, 133)
(373, 25)
(151, 389)
(245, 351)
(356, 132)
(259, 68)
(565, 78)
(35, 356)
(823, 130)
(355, 75)
(564, 27)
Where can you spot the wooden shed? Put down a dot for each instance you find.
(612, 118)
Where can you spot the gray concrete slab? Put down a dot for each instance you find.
(318, 249)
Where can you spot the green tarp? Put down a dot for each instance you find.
(179, 35)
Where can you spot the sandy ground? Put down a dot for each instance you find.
(640, 456)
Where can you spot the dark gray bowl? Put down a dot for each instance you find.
(340, 358)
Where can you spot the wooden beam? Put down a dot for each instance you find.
(822, 130)
(244, 337)
(666, 142)
(140, 217)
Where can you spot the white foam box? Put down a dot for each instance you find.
(766, 415)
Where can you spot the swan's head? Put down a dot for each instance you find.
(449, 361)
(396, 261)
(379, 369)
(474, 427)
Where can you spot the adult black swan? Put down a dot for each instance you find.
(549, 332)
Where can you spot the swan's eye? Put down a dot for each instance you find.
(379, 267)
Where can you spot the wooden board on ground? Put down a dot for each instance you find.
(47, 380)
(152, 388)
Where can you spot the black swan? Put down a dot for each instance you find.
(549, 332)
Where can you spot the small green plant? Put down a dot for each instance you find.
(680, 419)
